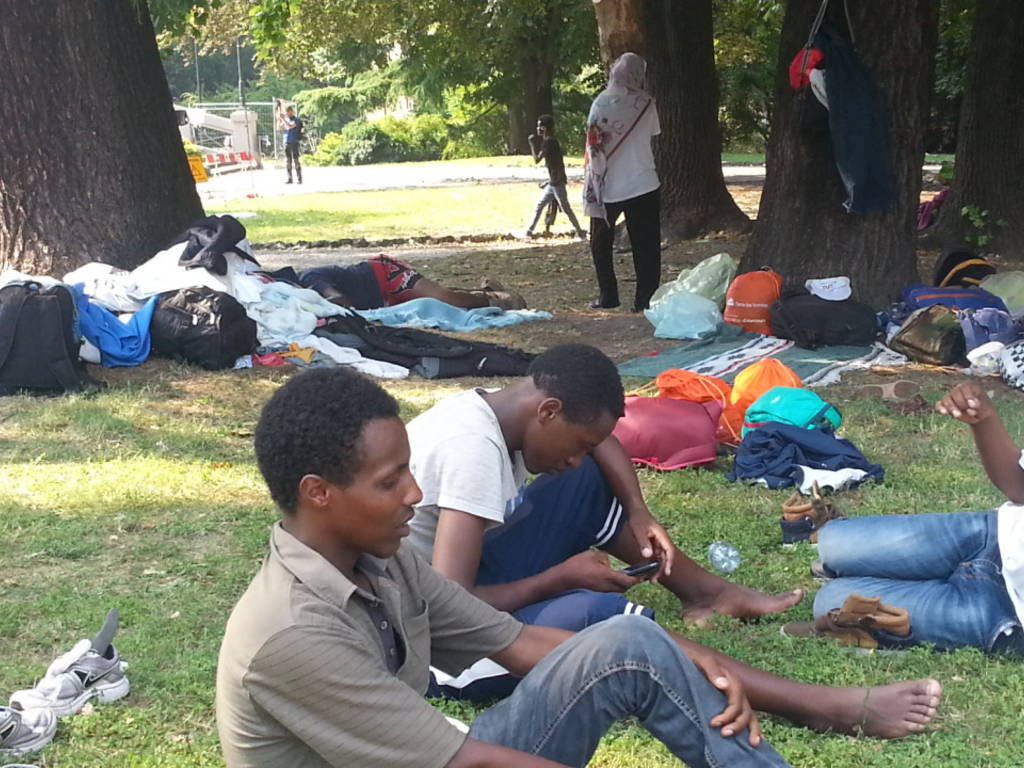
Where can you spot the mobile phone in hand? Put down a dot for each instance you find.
(641, 570)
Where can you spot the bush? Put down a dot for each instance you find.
(389, 140)
(418, 137)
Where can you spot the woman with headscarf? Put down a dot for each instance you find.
(620, 178)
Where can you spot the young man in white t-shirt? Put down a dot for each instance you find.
(959, 576)
(539, 551)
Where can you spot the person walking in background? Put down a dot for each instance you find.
(544, 146)
(620, 178)
(291, 126)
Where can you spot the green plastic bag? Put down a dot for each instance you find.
(792, 405)
(1008, 286)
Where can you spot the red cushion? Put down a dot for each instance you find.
(666, 433)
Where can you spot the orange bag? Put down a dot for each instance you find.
(749, 300)
(752, 382)
(680, 384)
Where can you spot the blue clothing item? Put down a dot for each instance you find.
(773, 451)
(621, 668)
(293, 130)
(557, 517)
(433, 313)
(120, 344)
(944, 569)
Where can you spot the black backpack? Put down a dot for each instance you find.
(203, 326)
(39, 342)
(813, 322)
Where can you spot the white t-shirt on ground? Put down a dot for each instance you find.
(1011, 547)
(631, 170)
(460, 460)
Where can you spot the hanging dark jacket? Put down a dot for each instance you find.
(858, 128)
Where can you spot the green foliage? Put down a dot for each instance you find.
(981, 230)
(191, 149)
(331, 107)
(746, 51)
(388, 140)
(956, 20)
(476, 123)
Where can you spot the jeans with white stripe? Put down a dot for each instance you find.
(623, 667)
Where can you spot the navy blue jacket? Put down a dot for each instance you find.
(773, 452)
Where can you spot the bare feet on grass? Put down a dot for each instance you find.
(741, 603)
(883, 711)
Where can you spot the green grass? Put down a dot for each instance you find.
(465, 210)
(146, 497)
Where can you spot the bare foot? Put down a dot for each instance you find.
(883, 711)
(741, 603)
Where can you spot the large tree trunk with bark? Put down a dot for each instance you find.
(990, 146)
(535, 77)
(92, 167)
(676, 38)
(802, 229)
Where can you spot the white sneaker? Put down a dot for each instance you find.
(73, 679)
(24, 732)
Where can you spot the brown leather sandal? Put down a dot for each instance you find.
(802, 519)
(854, 623)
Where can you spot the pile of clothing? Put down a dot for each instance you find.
(205, 299)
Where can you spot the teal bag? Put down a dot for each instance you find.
(792, 405)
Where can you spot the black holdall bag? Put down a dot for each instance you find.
(39, 343)
(813, 322)
(203, 326)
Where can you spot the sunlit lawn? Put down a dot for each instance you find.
(146, 497)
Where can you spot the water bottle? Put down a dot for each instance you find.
(724, 557)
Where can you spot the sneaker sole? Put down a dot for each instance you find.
(104, 692)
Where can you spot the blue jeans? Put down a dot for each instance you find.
(624, 667)
(559, 193)
(944, 569)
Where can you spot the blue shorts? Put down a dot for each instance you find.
(559, 516)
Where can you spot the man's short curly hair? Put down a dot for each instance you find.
(583, 378)
(312, 426)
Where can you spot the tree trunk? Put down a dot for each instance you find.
(536, 78)
(92, 167)
(990, 146)
(683, 81)
(802, 229)
(676, 38)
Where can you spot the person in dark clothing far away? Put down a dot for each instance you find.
(544, 146)
(291, 126)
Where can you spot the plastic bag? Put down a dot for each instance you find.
(683, 315)
(1008, 286)
(710, 279)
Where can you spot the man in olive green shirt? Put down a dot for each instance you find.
(325, 658)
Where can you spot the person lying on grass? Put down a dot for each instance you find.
(960, 576)
(383, 282)
(325, 657)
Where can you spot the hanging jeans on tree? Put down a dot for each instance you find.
(624, 667)
(643, 222)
